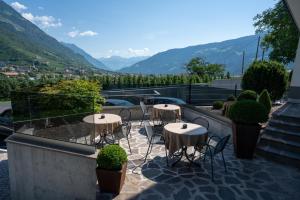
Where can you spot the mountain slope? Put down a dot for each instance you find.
(22, 42)
(117, 62)
(227, 52)
(87, 56)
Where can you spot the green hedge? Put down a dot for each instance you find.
(217, 105)
(248, 112)
(247, 95)
(268, 75)
(111, 157)
(264, 98)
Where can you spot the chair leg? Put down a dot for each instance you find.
(150, 144)
(142, 119)
(224, 162)
(212, 165)
(128, 144)
(167, 160)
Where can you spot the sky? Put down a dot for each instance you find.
(128, 28)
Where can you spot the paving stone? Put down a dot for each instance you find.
(198, 197)
(152, 196)
(226, 193)
(232, 180)
(236, 189)
(150, 173)
(162, 178)
(199, 181)
(184, 193)
(211, 196)
(174, 180)
(266, 196)
(208, 189)
(188, 184)
(262, 176)
(251, 194)
(164, 189)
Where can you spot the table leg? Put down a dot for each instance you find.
(180, 155)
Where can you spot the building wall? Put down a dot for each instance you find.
(47, 173)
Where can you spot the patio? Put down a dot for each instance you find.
(245, 179)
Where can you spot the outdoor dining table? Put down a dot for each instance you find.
(159, 108)
(179, 136)
(105, 123)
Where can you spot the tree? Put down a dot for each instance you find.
(282, 34)
(269, 75)
(200, 67)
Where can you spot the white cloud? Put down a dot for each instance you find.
(88, 33)
(73, 34)
(76, 33)
(43, 21)
(41, 8)
(18, 7)
(139, 52)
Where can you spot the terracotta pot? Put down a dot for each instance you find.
(110, 180)
(245, 137)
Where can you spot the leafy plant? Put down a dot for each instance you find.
(248, 112)
(111, 157)
(268, 75)
(247, 95)
(282, 34)
(231, 98)
(80, 93)
(264, 98)
(217, 105)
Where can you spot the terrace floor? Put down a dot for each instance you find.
(245, 179)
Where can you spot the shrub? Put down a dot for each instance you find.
(217, 105)
(111, 157)
(248, 112)
(264, 98)
(247, 95)
(268, 75)
(226, 108)
(231, 98)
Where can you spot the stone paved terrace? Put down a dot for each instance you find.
(245, 179)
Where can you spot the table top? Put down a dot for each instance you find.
(163, 107)
(108, 119)
(192, 129)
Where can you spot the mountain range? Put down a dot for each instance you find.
(117, 62)
(228, 52)
(22, 43)
(87, 56)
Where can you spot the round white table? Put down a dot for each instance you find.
(104, 125)
(179, 138)
(159, 108)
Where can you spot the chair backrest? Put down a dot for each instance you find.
(221, 144)
(143, 107)
(125, 114)
(201, 121)
(126, 128)
(148, 129)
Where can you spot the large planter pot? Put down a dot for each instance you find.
(111, 180)
(245, 137)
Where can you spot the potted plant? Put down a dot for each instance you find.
(111, 168)
(246, 116)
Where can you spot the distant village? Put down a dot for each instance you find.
(13, 70)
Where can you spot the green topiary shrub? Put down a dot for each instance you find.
(247, 95)
(217, 105)
(264, 98)
(111, 157)
(268, 75)
(231, 98)
(248, 112)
